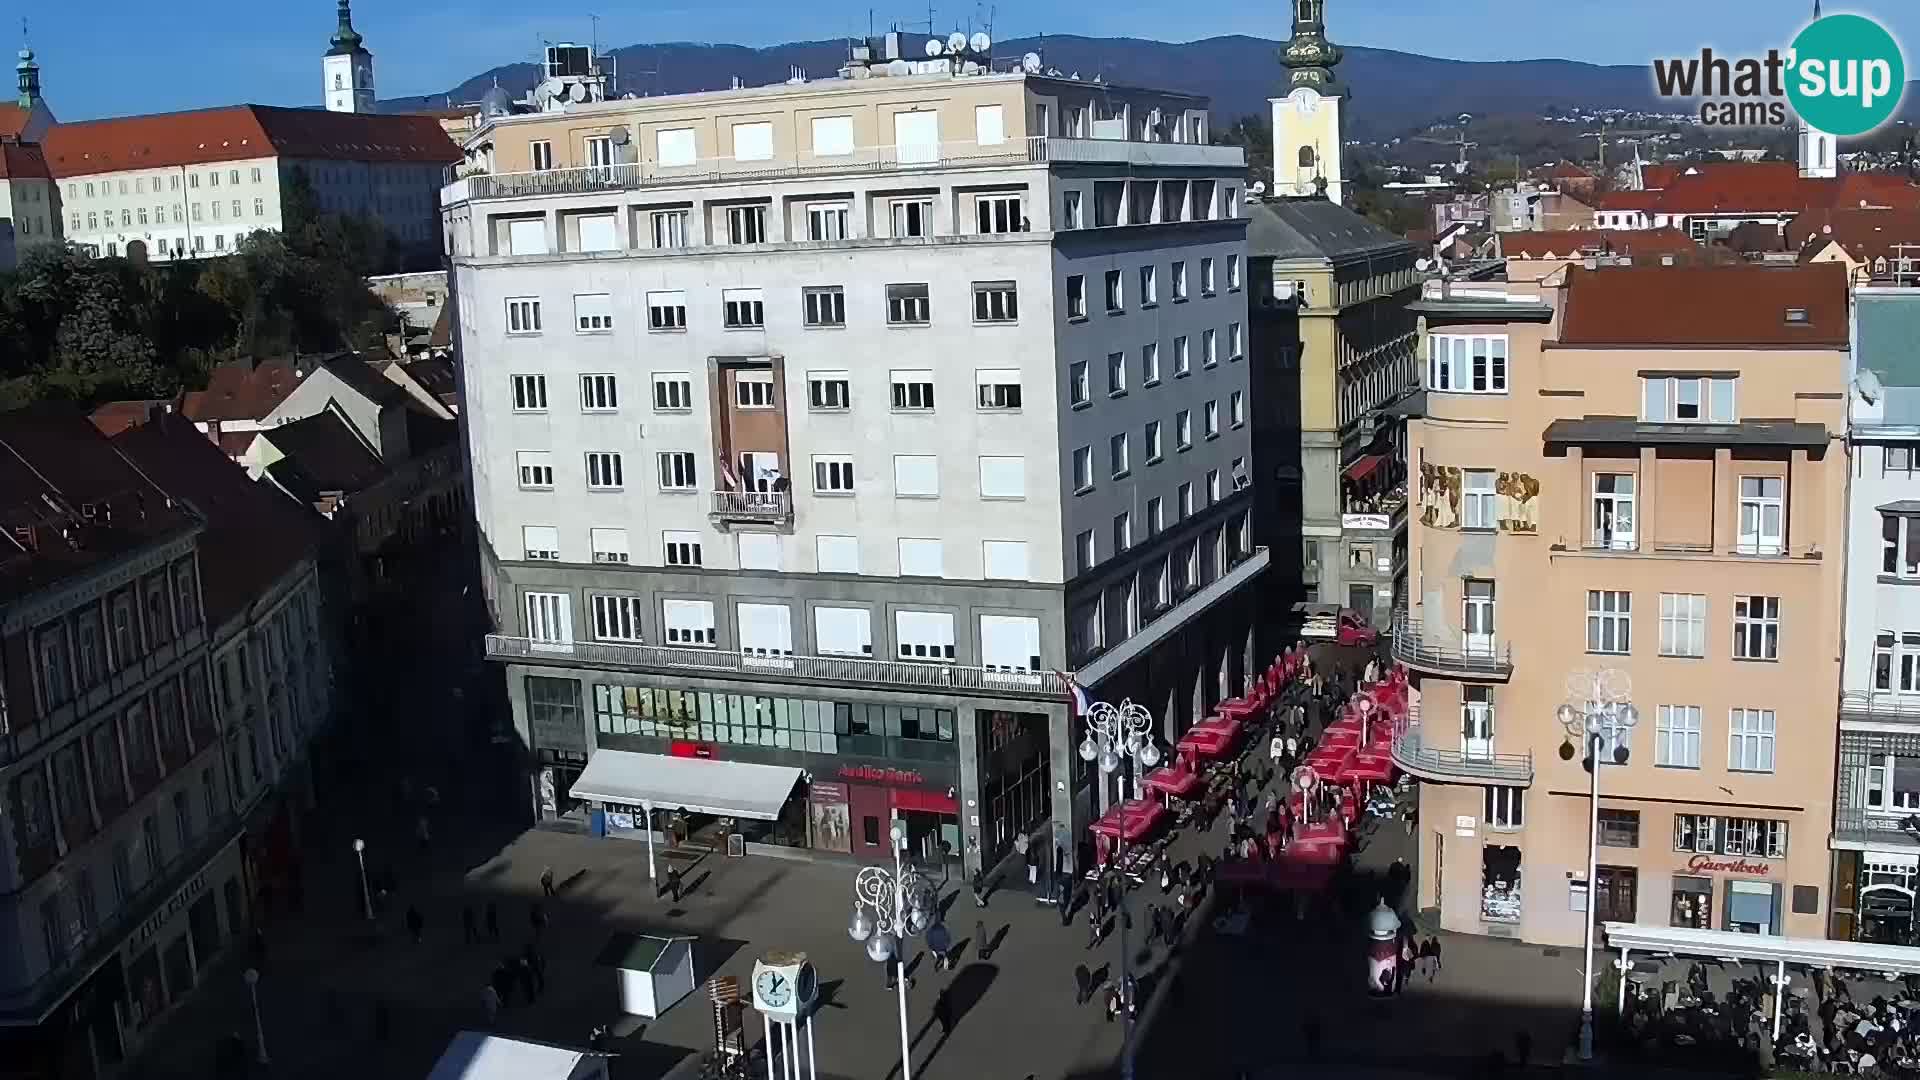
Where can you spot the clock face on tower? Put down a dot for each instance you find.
(1304, 100)
(774, 988)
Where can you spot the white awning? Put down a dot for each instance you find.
(698, 785)
(1811, 952)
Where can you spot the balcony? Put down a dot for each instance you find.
(1880, 707)
(1448, 658)
(1378, 513)
(1412, 753)
(752, 508)
(823, 670)
(1038, 150)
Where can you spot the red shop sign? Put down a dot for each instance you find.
(680, 748)
(878, 774)
(1707, 863)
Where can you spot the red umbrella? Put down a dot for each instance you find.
(1372, 768)
(1130, 820)
(1173, 782)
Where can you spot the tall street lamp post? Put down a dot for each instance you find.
(888, 908)
(366, 894)
(1118, 737)
(252, 976)
(1599, 712)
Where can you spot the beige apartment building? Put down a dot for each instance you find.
(1639, 472)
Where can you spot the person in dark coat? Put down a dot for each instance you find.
(537, 967)
(673, 882)
(982, 947)
(537, 915)
(1082, 984)
(416, 923)
(943, 1012)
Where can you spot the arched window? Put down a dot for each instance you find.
(1306, 10)
(1306, 157)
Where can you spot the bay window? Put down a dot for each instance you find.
(1464, 364)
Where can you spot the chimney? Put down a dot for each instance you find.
(893, 45)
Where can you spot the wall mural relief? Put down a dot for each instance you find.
(1439, 496)
(1519, 502)
(1517, 509)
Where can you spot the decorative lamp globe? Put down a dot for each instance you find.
(1629, 716)
(1109, 761)
(1149, 754)
(880, 947)
(1088, 750)
(1383, 924)
(1568, 716)
(860, 928)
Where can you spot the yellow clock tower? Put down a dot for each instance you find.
(1309, 120)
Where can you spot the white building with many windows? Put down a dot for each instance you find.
(829, 426)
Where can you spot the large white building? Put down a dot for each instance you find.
(824, 426)
(1876, 841)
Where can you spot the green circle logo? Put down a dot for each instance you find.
(1846, 75)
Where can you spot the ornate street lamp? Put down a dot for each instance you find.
(1599, 712)
(1117, 737)
(888, 908)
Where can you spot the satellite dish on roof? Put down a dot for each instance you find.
(934, 48)
(577, 91)
(899, 67)
(979, 42)
(956, 42)
(1030, 63)
(620, 136)
(1868, 384)
(1259, 187)
(1423, 265)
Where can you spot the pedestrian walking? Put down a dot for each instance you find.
(503, 983)
(469, 931)
(1066, 907)
(537, 964)
(424, 831)
(1032, 852)
(523, 972)
(1435, 942)
(673, 883)
(943, 1012)
(1082, 984)
(493, 922)
(490, 1001)
(1093, 929)
(546, 882)
(416, 923)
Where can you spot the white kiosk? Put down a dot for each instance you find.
(476, 1055)
(655, 972)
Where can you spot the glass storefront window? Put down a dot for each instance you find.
(805, 724)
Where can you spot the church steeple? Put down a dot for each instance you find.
(346, 40)
(347, 69)
(29, 78)
(1309, 57)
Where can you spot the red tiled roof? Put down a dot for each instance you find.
(1626, 200)
(22, 161)
(1655, 177)
(1734, 187)
(1549, 243)
(1864, 234)
(13, 120)
(1706, 306)
(237, 132)
(242, 391)
(117, 416)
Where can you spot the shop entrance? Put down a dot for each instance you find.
(1617, 897)
(1886, 915)
(1692, 903)
(1500, 883)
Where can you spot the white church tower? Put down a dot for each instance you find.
(1819, 153)
(1309, 125)
(348, 68)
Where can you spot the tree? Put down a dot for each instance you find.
(1254, 135)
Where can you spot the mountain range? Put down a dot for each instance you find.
(1393, 92)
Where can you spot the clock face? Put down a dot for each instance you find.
(1304, 100)
(774, 989)
(807, 983)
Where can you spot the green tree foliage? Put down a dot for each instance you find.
(90, 329)
(1254, 134)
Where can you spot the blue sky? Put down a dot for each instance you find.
(216, 52)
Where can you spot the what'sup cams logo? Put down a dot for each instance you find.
(1843, 75)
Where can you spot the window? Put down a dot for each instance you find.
(1117, 450)
(827, 221)
(1209, 348)
(746, 224)
(681, 548)
(916, 475)
(913, 391)
(837, 554)
(1083, 469)
(1677, 737)
(1116, 374)
(1183, 429)
(921, 558)
(1122, 531)
(1182, 361)
(1905, 655)
(592, 313)
(674, 147)
(1689, 399)
(688, 622)
(1080, 387)
(832, 136)
(1505, 807)
(1213, 486)
(1185, 495)
(1619, 828)
(912, 218)
(618, 618)
(744, 308)
(1210, 419)
(1762, 526)
(1150, 364)
(1152, 439)
(536, 469)
(1465, 364)
(1613, 516)
(1609, 621)
(1233, 341)
(839, 631)
(523, 316)
(923, 635)
(676, 471)
(603, 471)
(1116, 293)
(824, 305)
(1206, 277)
(999, 214)
(832, 474)
(907, 305)
(672, 391)
(1695, 833)
(1479, 502)
(529, 393)
(1076, 296)
(995, 302)
(1683, 624)
(1233, 272)
(999, 389)
(753, 389)
(1756, 628)
(827, 391)
(542, 542)
(669, 228)
(1070, 213)
(761, 551)
(1236, 409)
(1750, 740)
(610, 545)
(1900, 545)
(1149, 286)
(1003, 477)
(1005, 560)
(1179, 277)
(599, 393)
(1084, 555)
